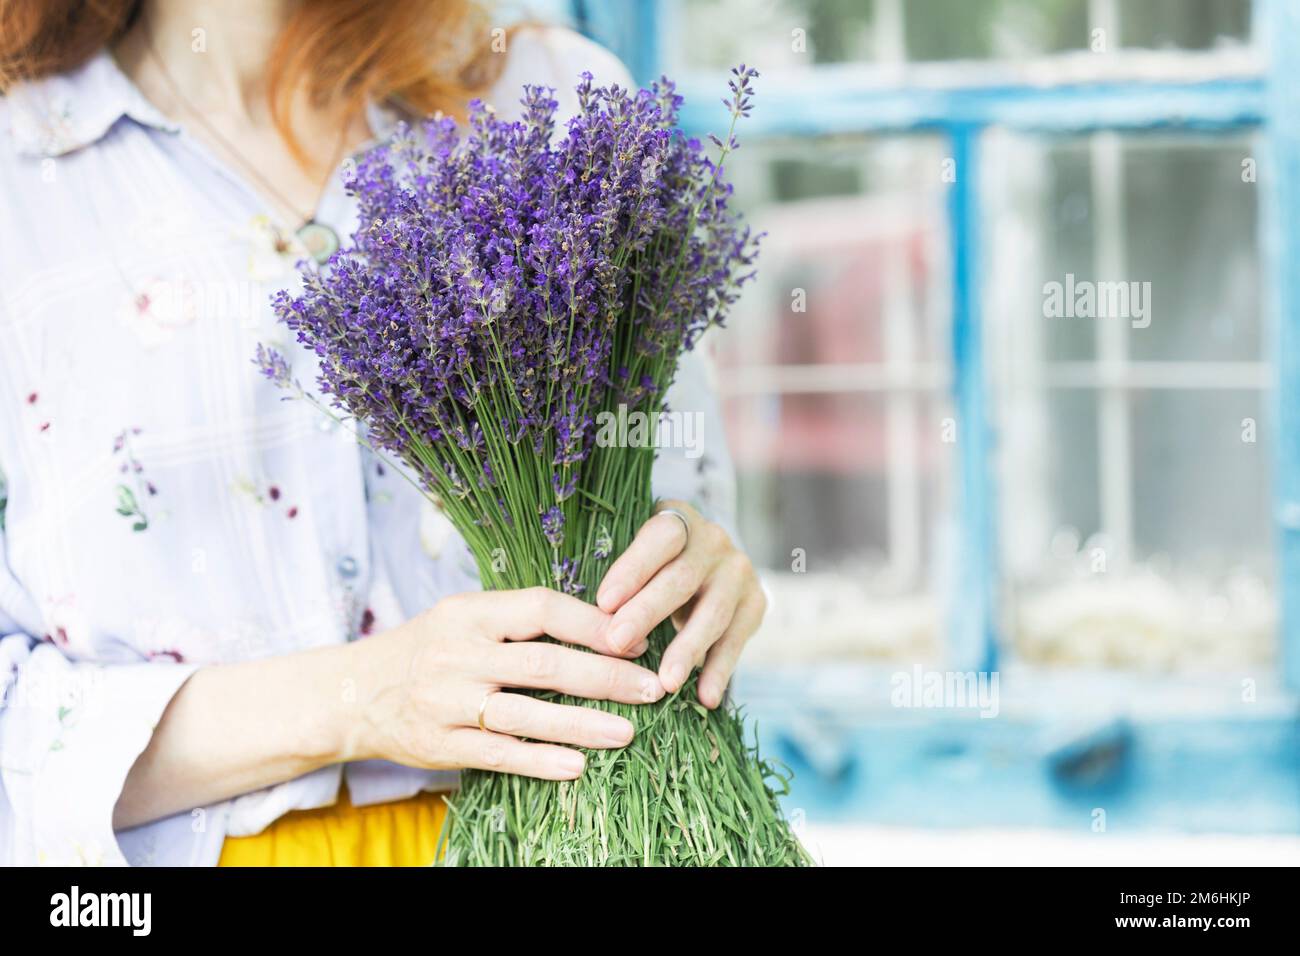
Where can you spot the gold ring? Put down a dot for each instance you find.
(686, 523)
(482, 708)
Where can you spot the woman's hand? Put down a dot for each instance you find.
(422, 685)
(702, 580)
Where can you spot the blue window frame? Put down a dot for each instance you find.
(1281, 116)
(1259, 752)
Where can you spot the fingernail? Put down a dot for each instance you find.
(606, 597)
(622, 636)
(708, 694)
(651, 690)
(640, 649)
(674, 675)
(617, 733)
(573, 763)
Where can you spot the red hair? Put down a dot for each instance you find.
(428, 55)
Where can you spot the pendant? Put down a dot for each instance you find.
(319, 240)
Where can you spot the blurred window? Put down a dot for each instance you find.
(1129, 502)
(1134, 449)
(835, 375)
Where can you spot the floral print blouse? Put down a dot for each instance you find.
(161, 507)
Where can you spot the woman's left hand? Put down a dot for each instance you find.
(702, 580)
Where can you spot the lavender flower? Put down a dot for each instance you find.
(564, 577)
(273, 365)
(553, 526)
(508, 284)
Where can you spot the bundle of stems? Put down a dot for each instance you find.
(506, 291)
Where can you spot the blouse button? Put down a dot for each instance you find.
(347, 567)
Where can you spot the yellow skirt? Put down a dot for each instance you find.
(401, 833)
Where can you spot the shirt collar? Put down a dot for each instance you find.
(63, 113)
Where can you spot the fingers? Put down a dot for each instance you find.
(722, 657)
(666, 592)
(482, 750)
(531, 612)
(522, 716)
(551, 667)
(661, 539)
(712, 614)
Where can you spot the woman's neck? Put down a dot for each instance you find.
(204, 63)
(214, 52)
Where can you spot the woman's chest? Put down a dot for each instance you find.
(158, 487)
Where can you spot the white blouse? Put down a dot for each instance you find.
(166, 509)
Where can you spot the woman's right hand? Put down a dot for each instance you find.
(421, 685)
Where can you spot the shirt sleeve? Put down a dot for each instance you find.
(417, 558)
(555, 57)
(69, 734)
(693, 462)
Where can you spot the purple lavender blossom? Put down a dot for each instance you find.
(564, 577)
(509, 281)
(553, 526)
(273, 365)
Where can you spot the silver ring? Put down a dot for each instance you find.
(686, 523)
(482, 709)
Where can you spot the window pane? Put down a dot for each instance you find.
(1091, 211)
(835, 361)
(1133, 457)
(812, 475)
(993, 29)
(796, 34)
(839, 497)
(1202, 256)
(1195, 594)
(1049, 475)
(722, 33)
(1201, 471)
(1184, 24)
(852, 269)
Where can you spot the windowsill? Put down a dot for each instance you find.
(1063, 750)
(852, 689)
(1071, 67)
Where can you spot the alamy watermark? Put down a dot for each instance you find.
(1085, 299)
(624, 429)
(75, 908)
(946, 690)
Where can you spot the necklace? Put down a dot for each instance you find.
(319, 239)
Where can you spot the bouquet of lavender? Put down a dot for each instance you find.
(506, 288)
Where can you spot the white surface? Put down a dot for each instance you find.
(890, 846)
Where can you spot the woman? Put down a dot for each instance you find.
(187, 561)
